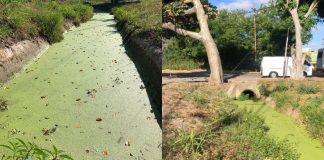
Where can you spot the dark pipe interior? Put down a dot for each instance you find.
(251, 94)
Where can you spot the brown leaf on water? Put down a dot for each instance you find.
(105, 152)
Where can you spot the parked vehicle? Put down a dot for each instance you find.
(274, 67)
(320, 60)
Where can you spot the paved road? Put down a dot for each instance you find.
(90, 91)
(202, 76)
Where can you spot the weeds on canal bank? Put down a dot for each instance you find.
(226, 133)
(22, 150)
(21, 20)
(313, 115)
(142, 17)
(305, 99)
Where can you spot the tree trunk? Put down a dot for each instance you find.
(216, 71)
(297, 71)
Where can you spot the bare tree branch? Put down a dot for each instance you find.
(187, 1)
(181, 31)
(297, 3)
(311, 8)
(190, 11)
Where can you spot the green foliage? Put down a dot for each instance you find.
(173, 12)
(191, 142)
(237, 42)
(177, 57)
(304, 89)
(26, 19)
(84, 12)
(51, 26)
(281, 87)
(144, 16)
(281, 99)
(264, 90)
(27, 150)
(313, 115)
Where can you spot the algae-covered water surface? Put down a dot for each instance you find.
(90, 92)
(284, 127)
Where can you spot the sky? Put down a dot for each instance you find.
(318, 32)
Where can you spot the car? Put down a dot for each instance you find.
(274, 67)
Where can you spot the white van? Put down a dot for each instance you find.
(274, 67)
(320, 60)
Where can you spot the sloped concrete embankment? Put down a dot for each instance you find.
(13, 57)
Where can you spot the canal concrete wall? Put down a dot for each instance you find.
(13, 57)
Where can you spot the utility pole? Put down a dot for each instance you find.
(286, 61)
(255, 36)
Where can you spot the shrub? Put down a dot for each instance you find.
(69, 13)
(85, 12)
(313, 115)
(303, 89)
(264, 90)
(51, 26)
(24, 19)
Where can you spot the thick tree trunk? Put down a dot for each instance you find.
(297, 56)
(204, 36)
(216, 71)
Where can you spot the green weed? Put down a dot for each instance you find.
(264, 90)
(281, 99)
(198, 97)
(27, 150)
(303, 89)
(281, 87)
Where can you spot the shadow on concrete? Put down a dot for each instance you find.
(199, 74)
(150, 76)
(151, 79)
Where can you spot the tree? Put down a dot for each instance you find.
(302, 12)
(195, 7)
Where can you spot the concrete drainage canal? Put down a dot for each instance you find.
(91, 92)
